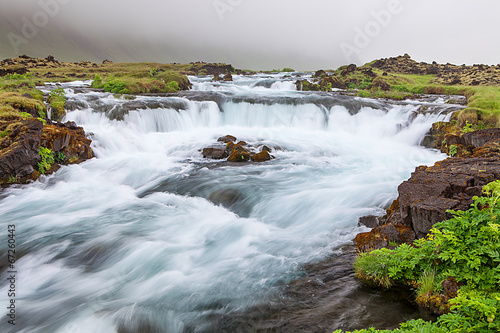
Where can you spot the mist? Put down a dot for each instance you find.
(254, 34)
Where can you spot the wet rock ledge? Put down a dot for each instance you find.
(30, 148)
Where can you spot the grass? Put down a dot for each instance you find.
(483, 102)
(427, 284)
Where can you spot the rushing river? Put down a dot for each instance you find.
(139, 239)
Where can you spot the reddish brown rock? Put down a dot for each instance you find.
(69, 140)
(387, 235)
(226, 139)
(237, 156)
(261, 157)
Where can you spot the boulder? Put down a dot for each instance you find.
(227, 77)
(480, 138)
(226, 139)
(385, 236)
(449, 184)
(261, 157)
(215, 153)
(18, 158)
(370, 221)
(237, 156)
(225, 197)
(320, 73)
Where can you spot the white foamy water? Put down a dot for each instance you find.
(130, 241)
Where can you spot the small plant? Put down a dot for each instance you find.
(427, 284)
(97, 83)
(47, 159)
(59, 92)
(153, 72)
(444, 142)
(327, 87)
(467, 128)
(173, 85)
(25, 115)
(59, 157)
(453, 150)
(12, 179)
(363, 93)
(3, 134)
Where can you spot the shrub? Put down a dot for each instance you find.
(60, 157)
(47, 159)
(453, 150)
(97, 83)
(173, 85)
(115, 86)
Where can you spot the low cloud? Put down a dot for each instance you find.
(254, 34)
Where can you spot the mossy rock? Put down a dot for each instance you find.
(261, 157)
(237, 156)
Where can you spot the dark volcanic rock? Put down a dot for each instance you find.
(21, 155)
(215, 153)
(449, 184)
(370, 221)
(481, 137)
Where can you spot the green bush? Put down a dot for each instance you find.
(97, 83)
(47, 159)
(60, 157)
(173, 85)
(115, 86)
(453, 150)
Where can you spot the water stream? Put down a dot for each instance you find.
(139, 239)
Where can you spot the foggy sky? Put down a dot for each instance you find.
(253, 34)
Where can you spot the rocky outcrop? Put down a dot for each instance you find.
(449, 184)
(446, 73)
(67, 139)
(19, 150)
(236, 151)
(201, 68)
(19, 154)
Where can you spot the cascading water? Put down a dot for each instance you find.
(131, 240)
